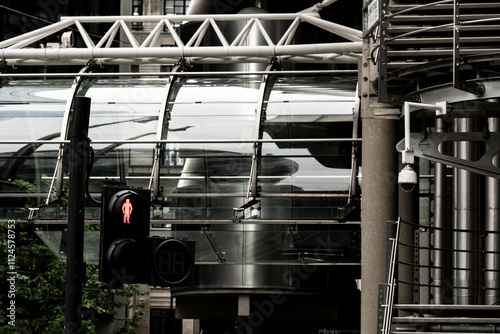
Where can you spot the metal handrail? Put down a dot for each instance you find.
(427, 265)
(196, 141)
(391, 283)
(426, 29)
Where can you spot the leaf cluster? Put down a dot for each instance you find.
(40, 287)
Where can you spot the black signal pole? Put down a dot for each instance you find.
(79, 143)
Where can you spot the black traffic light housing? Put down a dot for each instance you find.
(128, 254)
(125, 220)
(171, 261)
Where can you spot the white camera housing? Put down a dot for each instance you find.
(407, 178)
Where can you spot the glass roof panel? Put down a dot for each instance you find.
(211, 122)
(32, 110)
(319, 95)
(124, 109)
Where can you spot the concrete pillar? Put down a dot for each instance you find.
(379, 205)
(379, 186)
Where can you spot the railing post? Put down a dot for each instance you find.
(391, 282)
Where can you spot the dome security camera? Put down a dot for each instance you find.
(407, 178)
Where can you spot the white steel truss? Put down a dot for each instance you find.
(19, 50)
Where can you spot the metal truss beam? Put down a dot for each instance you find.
(19, 50)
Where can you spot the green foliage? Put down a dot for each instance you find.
(30, 189)
(40, 287)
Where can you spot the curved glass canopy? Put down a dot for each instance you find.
(209, 147)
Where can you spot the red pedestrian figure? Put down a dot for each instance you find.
(127, 211)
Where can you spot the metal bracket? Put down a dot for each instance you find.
(221, 256)
(250, 209)
(34, 212)
(346, 209)
(382, 62)
(353, 184)
(428, 148)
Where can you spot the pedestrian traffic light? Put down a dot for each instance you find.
(125, 216)
(128, 254)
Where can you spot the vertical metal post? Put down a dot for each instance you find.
(457, 81)
(492, 240)
(466, 206)
(75, 266)
(438, 235)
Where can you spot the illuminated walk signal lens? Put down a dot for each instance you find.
(125, 219)
(128, 211)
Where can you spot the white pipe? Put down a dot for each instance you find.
(219, 33)
(33, 36)
(179, 52)
(174, 34)
(288, 35)
(152, 36)
(337, 29)
(85, 36)
(238, 41)
(317, 59)
(109, 34)
(181, 18)
(129, 34)
(164, 74)
(326, 3)
(264, 32)
(201, 31)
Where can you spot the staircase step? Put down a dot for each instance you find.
(401, 29)
(445, 307)
(463, 6)
(439, 53)
(447, 310)
(448, 320)
(420, 332)
(440, 17)
(443, 40)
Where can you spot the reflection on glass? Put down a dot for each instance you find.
(274, 246)
(124, 109)
(217, 174)
(210, 123)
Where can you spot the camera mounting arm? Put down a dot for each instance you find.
(407, 177)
